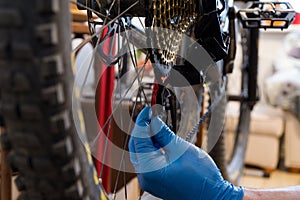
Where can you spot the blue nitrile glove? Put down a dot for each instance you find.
(177, 170)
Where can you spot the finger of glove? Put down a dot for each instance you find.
(141, 141)
(144, 117)
(141, 128)
(132, 153)
(165, 138)
(145, 156)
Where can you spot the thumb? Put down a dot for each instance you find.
(144, 117)
(140, 140)
(143, 154)
(173, 145)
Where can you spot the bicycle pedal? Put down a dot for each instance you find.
(267, 15)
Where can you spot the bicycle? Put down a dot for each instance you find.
(36, 74)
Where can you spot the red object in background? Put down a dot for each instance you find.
(154, 93)
(104, 109)
(297, 19)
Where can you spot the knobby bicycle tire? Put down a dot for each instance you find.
(232, 169)
(36, 87)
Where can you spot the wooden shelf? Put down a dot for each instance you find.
(79, 20)
(80, 28)
(78, 15)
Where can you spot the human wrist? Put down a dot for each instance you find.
(232, 192)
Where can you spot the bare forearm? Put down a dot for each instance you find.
(287, 193)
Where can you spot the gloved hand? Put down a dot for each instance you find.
(171, 168)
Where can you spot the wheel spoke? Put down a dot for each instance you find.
(89, 38)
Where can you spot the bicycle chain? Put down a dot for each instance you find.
(207, 114)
